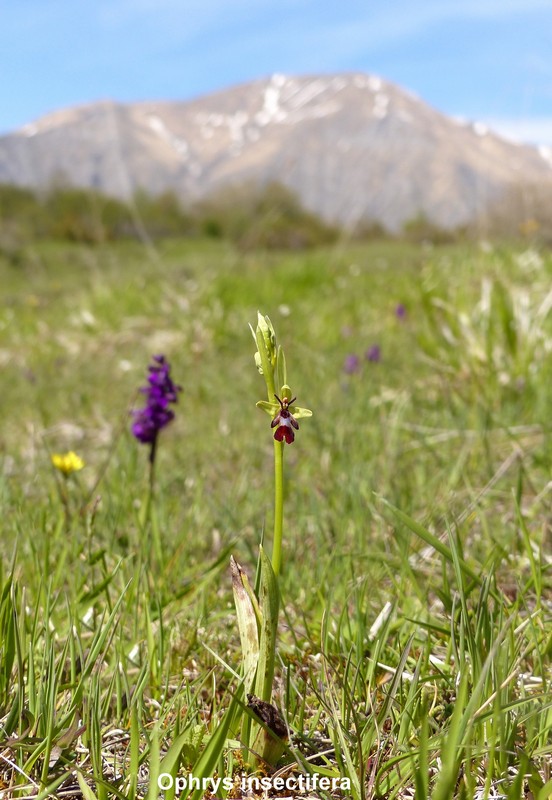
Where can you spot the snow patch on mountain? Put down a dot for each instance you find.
(180, 145)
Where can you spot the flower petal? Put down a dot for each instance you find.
(270, 408)
(300, 413)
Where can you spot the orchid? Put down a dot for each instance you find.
(258, 615)
(271, 363)
(160, 393)
(351, 364)
(373, 353)
(284, 415)
(156, 414)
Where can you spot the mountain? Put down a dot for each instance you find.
(353, 147)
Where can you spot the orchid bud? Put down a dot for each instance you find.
(258, 362)
(265, 328)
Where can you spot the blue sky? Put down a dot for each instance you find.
(488, 60)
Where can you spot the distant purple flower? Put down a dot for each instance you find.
(156, 414)
(373, 353)
(351, 364)
(400, 311)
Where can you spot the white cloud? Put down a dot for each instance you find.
(530, 130)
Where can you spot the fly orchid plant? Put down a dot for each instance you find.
(271, 363)
(258, 616)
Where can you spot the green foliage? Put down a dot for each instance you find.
(22, 219)
(250, 215)
(81, 215)
(420, 229)
(370, 230)
(267, 217)
(162, 215)
(19, 210)
(523, 213)
(414, 640)
(494, 353)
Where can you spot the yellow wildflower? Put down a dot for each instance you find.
(67, 462)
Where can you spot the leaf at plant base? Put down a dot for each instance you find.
(247, 624)
(269, 602)
(272, 739)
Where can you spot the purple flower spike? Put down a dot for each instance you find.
(373, 353)
(159, 392)
(400, 311)
(351, 364)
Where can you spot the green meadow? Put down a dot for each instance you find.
(415, 628)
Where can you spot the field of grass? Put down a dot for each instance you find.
(415, 631)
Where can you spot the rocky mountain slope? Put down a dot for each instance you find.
(352, 146)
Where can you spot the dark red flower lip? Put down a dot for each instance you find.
(284, 421)
(284, 432)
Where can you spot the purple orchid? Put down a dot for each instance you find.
(156, 414)
(351, 364)
(373, 353)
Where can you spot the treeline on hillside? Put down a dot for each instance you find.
(251, 216)
(266, 217)
(524, 211)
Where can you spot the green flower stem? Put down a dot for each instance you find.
(152, 511)
(268, 374)
(149, 523)
(278, 506)
(152, 454)
(64, 494)
(145, 511)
